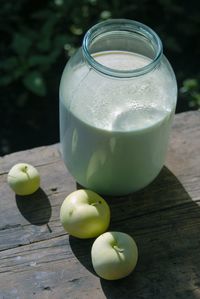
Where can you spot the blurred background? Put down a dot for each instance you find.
(38, 37)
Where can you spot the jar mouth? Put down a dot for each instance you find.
(122, 35)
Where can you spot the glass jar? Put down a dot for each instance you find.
(117, 100)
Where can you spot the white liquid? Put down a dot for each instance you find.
(114, 133)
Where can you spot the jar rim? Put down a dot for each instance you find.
(121, 25)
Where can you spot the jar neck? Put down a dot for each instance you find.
(126, 36)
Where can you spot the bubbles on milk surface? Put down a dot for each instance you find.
(137, 119)
(114, 104)
(120, 60)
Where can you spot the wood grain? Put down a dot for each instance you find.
(39, 260)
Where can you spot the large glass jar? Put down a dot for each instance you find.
(117, 100)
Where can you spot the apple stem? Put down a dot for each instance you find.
(25, 169)
(94, 204)
(118, 248)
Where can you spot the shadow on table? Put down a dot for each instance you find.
(35, 208)
(82, 249)
(165, 223)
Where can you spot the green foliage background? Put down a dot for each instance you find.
(38, 37)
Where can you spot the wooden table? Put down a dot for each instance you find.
(39, 260)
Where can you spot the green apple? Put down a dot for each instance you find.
(23, 179)
(114, 255)
(85, 214)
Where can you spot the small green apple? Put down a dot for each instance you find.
(85, 214)
(23, 179)
(114, 255)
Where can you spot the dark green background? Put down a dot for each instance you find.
(38, 37)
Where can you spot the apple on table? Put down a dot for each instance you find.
(23, 179)
(114, 255)
(85, 214)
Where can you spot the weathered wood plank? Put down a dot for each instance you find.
(25, 219)
(46, 269)
(183, 157)
(39, 260)
(37, 156)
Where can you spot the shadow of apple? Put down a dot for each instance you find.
(164, 221)
(35, 208)
(82, 250)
